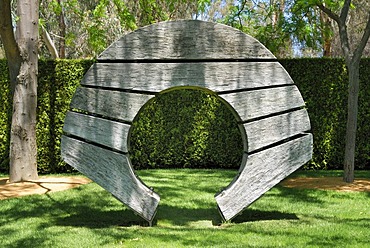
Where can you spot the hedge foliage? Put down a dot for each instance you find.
(189, 128)
(324, 86)
(194, 128)
(4, 114)
(57, 82)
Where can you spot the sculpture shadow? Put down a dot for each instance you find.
(179, 216)
(252, 215)
(94, 218)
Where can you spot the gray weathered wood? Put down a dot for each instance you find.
(120, 105)
(188, 53)
(101, 131)
(267, 131)
(263, 170)
(258, 103)
(186, 39)
(248, 104)
(113, 172)
(155, 77)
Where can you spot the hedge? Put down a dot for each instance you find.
(192, 128)
(324, 87)
(57, 82)
(4, 115)
(189, 128)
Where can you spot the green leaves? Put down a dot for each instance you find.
(57, 83)
(324, 87)
(127, 20)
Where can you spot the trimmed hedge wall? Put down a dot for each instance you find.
(324, 87)
(4, 115)
(158, 140)
(57, 83)
(189, 128)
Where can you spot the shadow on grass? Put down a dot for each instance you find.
(310, 196)
(250, 215)
(95, 218)
(190, 219)
(177, 216)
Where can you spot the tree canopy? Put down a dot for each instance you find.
(289, 28)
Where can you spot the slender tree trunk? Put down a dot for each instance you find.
(62, 34)
(10, 45)
(49, 43)
(353, 65)
(353, 91)
(12, 55)
(327, 39)
(23, 148)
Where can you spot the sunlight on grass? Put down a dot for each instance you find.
(187, 216)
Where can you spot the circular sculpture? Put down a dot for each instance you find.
(239, 69)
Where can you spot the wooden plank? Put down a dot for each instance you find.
(113, 172)
(248, 104)
(263, 102)
(186, 39)
(155, 77)
(101, 131)
(263, 170)
(119, 105)
(267, 131)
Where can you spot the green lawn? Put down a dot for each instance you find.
(88, 216)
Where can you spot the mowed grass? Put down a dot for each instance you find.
(88, 216)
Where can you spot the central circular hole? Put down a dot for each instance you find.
(185, 128)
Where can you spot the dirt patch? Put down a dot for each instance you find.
(327, 183)
(44, 185)
(47, 185)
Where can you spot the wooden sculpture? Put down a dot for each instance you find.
(269, 108)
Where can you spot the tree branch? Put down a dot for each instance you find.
(330, 13)
(341, 21)
(345, 9)
(49, 43)
(10, 44)
(365, 37)
(240, 11)
(6, 29)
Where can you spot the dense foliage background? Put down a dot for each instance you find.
(324, 86)
(57, 82)
(186, 128)
(192, 128)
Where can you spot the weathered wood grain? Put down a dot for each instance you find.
(113, 172)
(263, 171)
(267, 131)
(119, 105)
(248, 104)
(188, 53)
(155, 77)
(101, 131)
(258, 103)
(186, 39)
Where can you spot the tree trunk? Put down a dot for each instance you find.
(62, 34)
(10, 45)
(327, 37)
(353, 91)
(23, 148)
(353, 65)
(49, 43)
